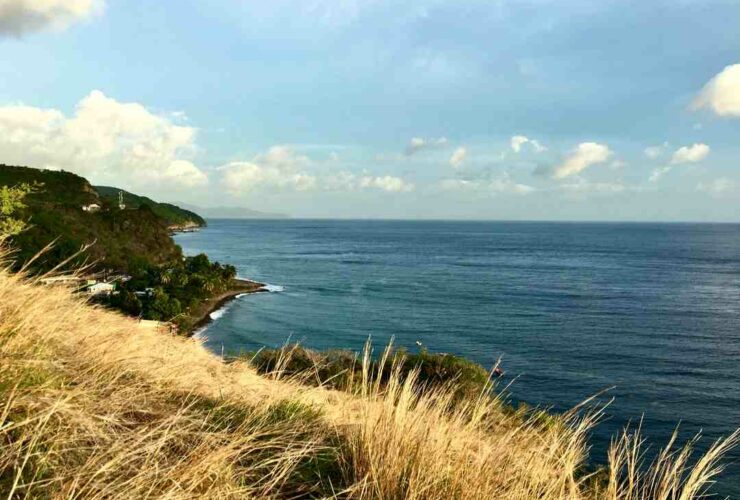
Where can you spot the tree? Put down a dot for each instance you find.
(11, 200)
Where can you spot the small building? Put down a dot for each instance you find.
(101, 288)
(92, 207)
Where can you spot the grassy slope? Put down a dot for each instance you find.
(93, 406)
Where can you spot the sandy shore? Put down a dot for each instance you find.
(202, 315)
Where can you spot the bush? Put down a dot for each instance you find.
(340, 369)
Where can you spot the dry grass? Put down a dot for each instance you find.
(93, 407)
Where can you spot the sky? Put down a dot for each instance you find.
(430, 109)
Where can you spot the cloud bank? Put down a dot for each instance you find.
(721, 94)
(19, 17)
(283, 169)
(106, 140)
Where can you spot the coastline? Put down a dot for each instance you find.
(202, 316)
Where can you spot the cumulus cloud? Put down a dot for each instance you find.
(690, 154)
(721, 94)
(582, 157)
(279, 168)
(417, 144)
(685, 154)
(458, 157)
(18, 17)
(517, 142)
(106, 140)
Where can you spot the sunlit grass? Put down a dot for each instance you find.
(92, 406)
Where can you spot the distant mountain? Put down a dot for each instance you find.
(173, 215)
(232, 212)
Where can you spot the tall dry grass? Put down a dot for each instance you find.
(92, 406)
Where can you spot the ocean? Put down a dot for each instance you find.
(649, 311)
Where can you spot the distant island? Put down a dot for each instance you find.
(232, 212)
(122, 242)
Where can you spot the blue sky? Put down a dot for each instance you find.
(609, 110)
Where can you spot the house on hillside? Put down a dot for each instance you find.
(100, 288)
(92, 207)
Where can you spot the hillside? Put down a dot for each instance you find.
(173, 215)
(95, 406)
(123, 240)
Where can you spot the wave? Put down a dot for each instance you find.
(218, 313)
(273, 288)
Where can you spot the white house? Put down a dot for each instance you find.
(101, 288)
(92, 207)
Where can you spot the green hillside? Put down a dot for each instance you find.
(171, 214)
(123, 240)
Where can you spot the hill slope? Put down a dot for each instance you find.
(173, 215)
(94, 406)
(123, 239)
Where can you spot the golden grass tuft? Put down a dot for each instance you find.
(92, 406)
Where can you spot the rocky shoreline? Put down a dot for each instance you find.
(202, 316)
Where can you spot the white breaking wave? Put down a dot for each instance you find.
(218, 313)
(273, 288)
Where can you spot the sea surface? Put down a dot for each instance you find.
(649, 310)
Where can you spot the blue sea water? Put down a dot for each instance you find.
(652, 310)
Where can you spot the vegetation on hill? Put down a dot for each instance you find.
(173, 292)
(49, 227)
(92, 405)
(11, 201)
(338, 369)
(118, 239)
(172, 215)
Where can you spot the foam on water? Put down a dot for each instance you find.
(273, 288)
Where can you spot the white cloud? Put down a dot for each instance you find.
(280, 168)
(722, 93)
(458, 157)
(18, 17)
(583, 156)
(107, 141)
(387, 183)
(500, 185)
(690, 154)
(417, 144)
(517, 142)
(655, 152)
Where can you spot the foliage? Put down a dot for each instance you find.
(338, 369)
(121, 239)
(11, 201)
(170, 290)
(171, 214)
